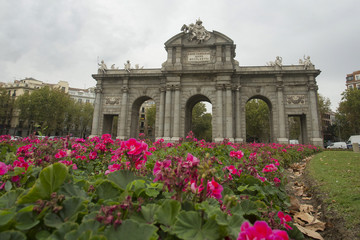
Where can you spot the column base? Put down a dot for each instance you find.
(174, 139)
(317, 142)
(121, 137)
(91, 136)
(283, 140)
(218, 139)
(231, 139)
(166, 139)
(239, 140)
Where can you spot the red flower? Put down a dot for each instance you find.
(214, 189)
(3, 168)
(284, 218)
(260, 230)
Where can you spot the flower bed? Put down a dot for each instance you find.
(101, 188)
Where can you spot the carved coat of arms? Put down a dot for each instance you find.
(196, 31)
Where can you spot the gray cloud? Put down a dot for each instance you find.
(62, 40)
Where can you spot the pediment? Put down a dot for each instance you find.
(183, 39)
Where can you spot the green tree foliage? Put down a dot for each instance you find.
(151, 116)
(349, 113)
(294, 128)
(257, 121)
(201, 122)
(6, 108)
(54, 112)
(324, 109)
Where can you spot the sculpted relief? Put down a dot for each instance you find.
(112, 100)
(295, 99)
(196, 31)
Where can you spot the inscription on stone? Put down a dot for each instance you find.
(199, 57)
(295, 99)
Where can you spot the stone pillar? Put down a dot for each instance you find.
(229, 115)
(178, 65)
(238, 137)
(219, 136)
(161, 114)
(219, 62)
(96, 116)
(313, 103)
(123, 114)
(167, 120)
(176, 129)
(281, 112)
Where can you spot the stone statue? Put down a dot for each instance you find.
(277, 62)
(138, 67)
(127, 66)
(103, 67)
(196, 31)
(307, 63)
(113, 67)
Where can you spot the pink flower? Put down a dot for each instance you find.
(214, 189)
(114, 167)
(62, 153)
(92, 155)
(15, 179)
(283, 219)
(276, 180)
(3, 168)
(269, 168)
(194, 188)
(259, 231)
(191, 160)
(233, 170)
(237, 154)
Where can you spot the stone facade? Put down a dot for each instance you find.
(200, 66)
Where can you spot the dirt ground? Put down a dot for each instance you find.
(309, 210)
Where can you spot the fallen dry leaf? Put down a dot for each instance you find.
(309, 232)
(305, 217)
(307, 208)
(317, 226)
(294, 204)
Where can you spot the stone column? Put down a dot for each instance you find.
(238, 137)
(161, 114)
(178, 65)
(229, 115)
(123, 114)
(96, 116)
(281, 112)
(313, 103)
(167, 120)
(219, 112)
(176, 129)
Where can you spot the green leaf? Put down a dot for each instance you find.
(190, 225)
(122, 178)
(90, 225)
(108, 190)
(26, 218)
(60, 233)
(133, 230)
(168, 211)
(8, 200)
(235, 222)
(50, 180)
(147, 213)
(71, 189)
(72, 207)
(12, 235)
(8, 186)
(6, 216)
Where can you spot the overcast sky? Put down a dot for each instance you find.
(53, 40)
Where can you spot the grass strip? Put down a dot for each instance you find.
(337, 174)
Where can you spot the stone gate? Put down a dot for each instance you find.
(200, 66)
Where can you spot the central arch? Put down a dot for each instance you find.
(191, 102)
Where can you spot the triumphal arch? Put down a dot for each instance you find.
(200, 66)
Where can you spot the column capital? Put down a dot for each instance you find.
(313, 87)
(125, 89)
(177, 87)
(219, 86)
(162, 89)
(98, 90)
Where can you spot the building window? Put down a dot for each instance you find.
(142, 116)
(63, 89)
(143, 109)
(79, 100)
(142, 124)
(357, 77)
(351, 86)
(87, 101)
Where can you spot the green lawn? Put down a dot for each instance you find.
(338, 176)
